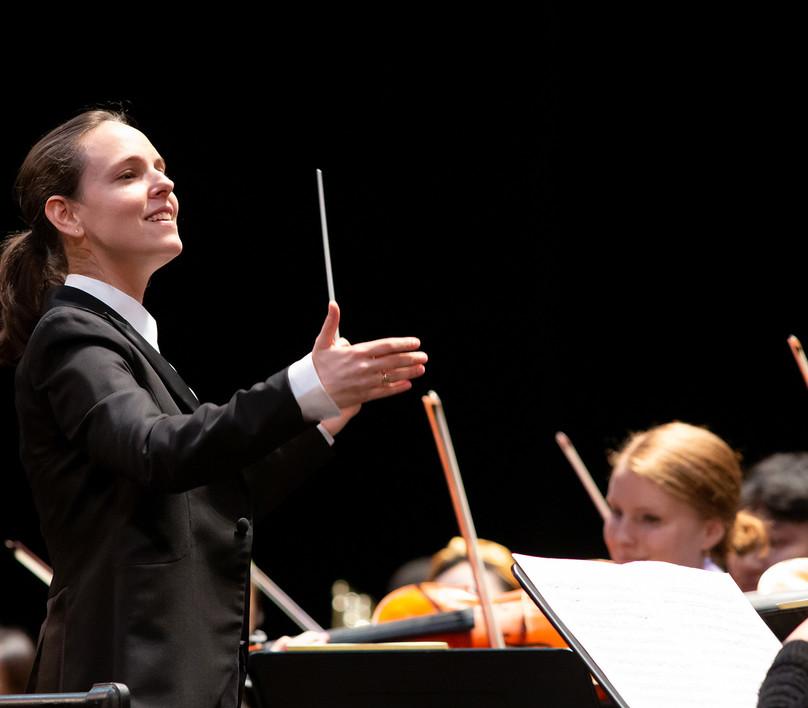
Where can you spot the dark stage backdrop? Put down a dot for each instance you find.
(595, 252)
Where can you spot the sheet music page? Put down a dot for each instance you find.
(663, 634)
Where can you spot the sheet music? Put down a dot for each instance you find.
(664, 635)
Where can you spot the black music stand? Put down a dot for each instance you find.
(102, 695)
(441, 678)
(570, 638)
(782, 611)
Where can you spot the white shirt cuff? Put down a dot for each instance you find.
(314, 402)
(329, 438)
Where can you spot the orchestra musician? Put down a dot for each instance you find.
(748, 553)
(776, 491)
(674, 494)
(450, 565)
(145, 495)
(786, 682)
(16, 658)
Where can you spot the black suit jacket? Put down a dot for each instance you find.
(145, 503)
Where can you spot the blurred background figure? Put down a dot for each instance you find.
(776, 490)
(784, 576)
(413, 571)
(16, 659)
(749, 549)
(450, 565)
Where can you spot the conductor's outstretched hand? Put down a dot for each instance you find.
(354, 373)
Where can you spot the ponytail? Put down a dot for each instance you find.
(27, 270)
(33, 261)
(748, 535)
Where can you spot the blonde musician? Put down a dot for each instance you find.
(673, 495)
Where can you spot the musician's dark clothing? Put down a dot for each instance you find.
(145, 500)
(786, 683)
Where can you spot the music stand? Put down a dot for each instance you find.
(782, 611)
(467, 678)
(571, 639)
(102, 695)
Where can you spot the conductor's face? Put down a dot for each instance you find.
(126, 203)
(648, 523)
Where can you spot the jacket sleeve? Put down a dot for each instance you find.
(99, 400)
(786, 683)
(278, 475)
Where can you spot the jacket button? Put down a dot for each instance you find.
(242, 526)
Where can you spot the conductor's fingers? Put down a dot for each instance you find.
(390, 345)
(399, 361)
(329, 329)
(389, 389)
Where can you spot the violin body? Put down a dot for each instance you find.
(521, 622)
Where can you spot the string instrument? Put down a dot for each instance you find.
(475, 619)
(509, 619)
(520, 621)
(428, 609)
(439, 612)
(261, 580)
(31, 561)
(443, 441)
(799, 356)
(584, 476)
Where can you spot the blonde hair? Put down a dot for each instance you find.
(493, 555)
(749, 535)
(693, 465)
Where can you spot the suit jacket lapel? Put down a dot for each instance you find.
(74, 297)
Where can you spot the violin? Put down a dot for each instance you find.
(521, 622)
(439, 612)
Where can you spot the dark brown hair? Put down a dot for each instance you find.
(33, 260)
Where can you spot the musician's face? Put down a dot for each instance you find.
(746, 568)
(461, 574)
(648, 523)
(126, 206)
(787, 539)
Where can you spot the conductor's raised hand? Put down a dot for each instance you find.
(355, 373)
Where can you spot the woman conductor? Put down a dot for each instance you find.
(145, 496)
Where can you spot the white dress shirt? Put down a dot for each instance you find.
(709, 564)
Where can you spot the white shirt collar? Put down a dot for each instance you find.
(127, 307)
(709, 564)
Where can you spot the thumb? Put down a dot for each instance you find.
(330, 326)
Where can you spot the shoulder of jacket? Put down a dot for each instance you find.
(64, 324)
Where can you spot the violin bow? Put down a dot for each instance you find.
(583, 474)
(329, 276)
(443, 440)
(290, 608)
(31, 561)
(45, 573)
(799, 356)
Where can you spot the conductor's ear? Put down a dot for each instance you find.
(60, 212)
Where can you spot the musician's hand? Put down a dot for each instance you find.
(801, 632)
(305, 639)
(334, 425)
(355, 373)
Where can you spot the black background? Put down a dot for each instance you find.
(596, 233)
